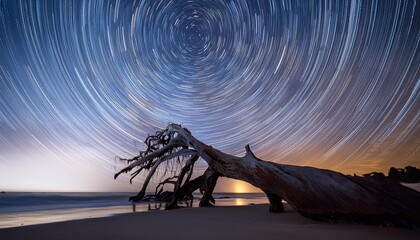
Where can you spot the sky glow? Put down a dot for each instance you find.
(330, 84)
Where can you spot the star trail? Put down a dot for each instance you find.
(331, 84)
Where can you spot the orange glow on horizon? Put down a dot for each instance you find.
(234, 186)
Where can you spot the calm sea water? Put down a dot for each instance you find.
(25, 202)
(21, 208)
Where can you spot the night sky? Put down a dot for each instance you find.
(330, 84)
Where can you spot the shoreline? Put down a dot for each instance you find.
(220, 222)
(34, 217)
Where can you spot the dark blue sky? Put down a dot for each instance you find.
(331, 84)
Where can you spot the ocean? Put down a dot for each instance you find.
(24, 208)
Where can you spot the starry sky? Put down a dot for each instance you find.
(331, 84)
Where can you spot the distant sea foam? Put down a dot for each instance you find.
(13, 202)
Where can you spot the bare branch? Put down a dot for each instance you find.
(177, 142)
(315, 193)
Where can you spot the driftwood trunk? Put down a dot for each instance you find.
(315, 193)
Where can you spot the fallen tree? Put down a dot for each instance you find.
(315, 193)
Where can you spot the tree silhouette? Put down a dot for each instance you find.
(408, 174)
(315, 193)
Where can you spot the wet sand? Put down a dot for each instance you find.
(239, 222)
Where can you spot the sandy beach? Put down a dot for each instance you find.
(239, 222)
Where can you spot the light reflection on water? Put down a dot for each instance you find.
(241, 201)
(37, 217)
(59, 215)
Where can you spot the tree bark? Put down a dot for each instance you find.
(315, 193)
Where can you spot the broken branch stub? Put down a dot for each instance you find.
(315, 193)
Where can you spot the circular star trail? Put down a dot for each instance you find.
(332, 84)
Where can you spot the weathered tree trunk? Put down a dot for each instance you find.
(315, 193)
